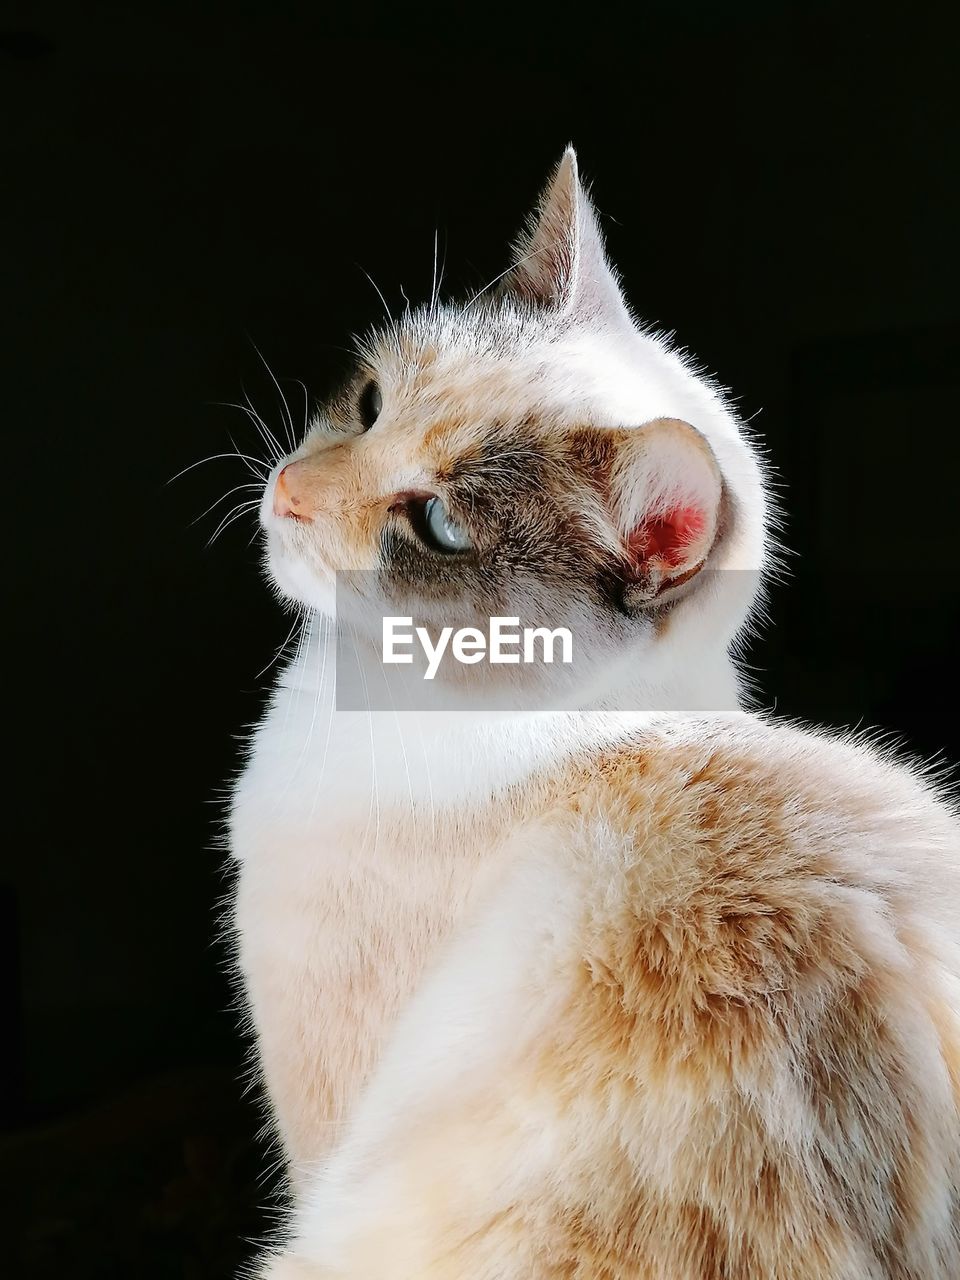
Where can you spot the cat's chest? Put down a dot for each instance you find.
(336, 921)
(343, 929)
(344, 865)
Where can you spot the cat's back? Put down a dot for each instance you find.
(739, 821)
(764, 989)
(756, 871)
(709, 1028)
(745, 808)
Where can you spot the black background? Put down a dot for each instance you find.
(777, 184)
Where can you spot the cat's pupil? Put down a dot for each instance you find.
(371, 402)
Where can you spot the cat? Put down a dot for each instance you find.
(620, 979)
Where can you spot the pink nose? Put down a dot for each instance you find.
(286, 500)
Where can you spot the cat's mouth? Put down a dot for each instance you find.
(295, 560)
(304, 579)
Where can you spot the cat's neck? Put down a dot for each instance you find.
(441, 758)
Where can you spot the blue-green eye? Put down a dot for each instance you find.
(439, 529)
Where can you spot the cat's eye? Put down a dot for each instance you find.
(370, 404)
(438, 529)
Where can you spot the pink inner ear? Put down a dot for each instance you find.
(666, 538)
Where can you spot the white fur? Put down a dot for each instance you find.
(323, 813)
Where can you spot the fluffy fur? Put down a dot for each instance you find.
(627, 990)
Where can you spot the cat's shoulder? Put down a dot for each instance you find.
(738, 771)
(755, 879)
(741, 813)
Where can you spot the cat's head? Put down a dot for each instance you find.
(530, 453)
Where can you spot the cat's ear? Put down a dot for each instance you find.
(560, 261)
(664, 495)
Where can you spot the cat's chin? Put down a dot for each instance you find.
(297, 581)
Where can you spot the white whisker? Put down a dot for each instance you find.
(266, 465)
(236, 489)
(231, 516)
(269, 439)
(306, 406)
(323, 644)
(437, 283)
(260, 423)
(244, 457)
(297, 620)
(433, 283)
(379, 294)
(298, 663)
(330, 639)
(283, 398)
(373, 813)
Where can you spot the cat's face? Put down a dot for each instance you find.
(487, 461)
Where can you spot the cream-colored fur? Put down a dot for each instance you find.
(650, 993)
